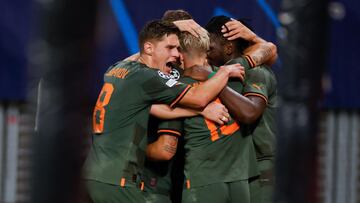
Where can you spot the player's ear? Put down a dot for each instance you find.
(148, 48)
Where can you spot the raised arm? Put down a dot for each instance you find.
(260, 52)
(200, 95)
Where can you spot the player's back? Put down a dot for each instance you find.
(120, 123)
(120, 120)
(216, 153)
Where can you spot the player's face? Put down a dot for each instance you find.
(166, 52)
(215, 55)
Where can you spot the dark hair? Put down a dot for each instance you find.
(174, 15)
(156, 30)
(214, 27)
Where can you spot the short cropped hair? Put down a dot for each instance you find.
(190, 43)
(156, 30)
(174, 15)
(214, 27)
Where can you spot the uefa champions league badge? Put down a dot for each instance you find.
(172, 77)
(174, 74)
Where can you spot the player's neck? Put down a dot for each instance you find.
(235, 55)
(144, 59)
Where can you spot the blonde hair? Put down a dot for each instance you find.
(190, 43)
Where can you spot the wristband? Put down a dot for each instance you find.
(211, 75)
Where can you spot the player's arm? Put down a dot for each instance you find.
(164, 111)
(213, 111)
(164, 148)
(260, 52)
(248, 108)
(200, 95)
(245, 109)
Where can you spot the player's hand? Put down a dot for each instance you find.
(216, 112)
(235, 29)
(235, 71)
(196, 72)
(190, 26)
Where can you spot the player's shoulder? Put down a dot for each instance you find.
(123, 65)
(122, 70)
(241, 60)
(262, 73)
(262, 69)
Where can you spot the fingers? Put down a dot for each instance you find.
(202, 32)
(236, 70)
(226, 111)
(242, 77)
(235, 29)
(198, 30)
(234, 24)
(190, 26)
(219, 121)
(222, 119)
(193, 32)
(216, 112)
(233, 34)
(225, 117)
(231, 37)
(194, 28)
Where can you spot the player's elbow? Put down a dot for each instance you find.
(165, 156)
(249, 119)
(160, 156)
(168, 156)
(250, 116)
(273, 49)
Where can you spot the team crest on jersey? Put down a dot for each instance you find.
(174, 74)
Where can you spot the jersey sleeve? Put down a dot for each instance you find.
(157, 89)
(242, 61)
(171, 127)
(257, 82)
